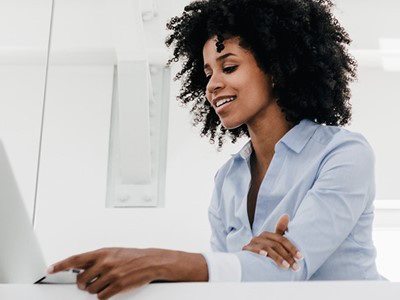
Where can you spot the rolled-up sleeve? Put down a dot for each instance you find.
(323, 219)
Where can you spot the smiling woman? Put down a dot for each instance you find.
(237, 88)
(296, 203)
(279, 72)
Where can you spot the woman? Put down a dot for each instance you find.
(277, 71)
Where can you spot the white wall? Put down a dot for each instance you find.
(376, 103)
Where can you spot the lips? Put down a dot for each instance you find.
(223, 107)
(222, 100)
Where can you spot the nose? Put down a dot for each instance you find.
(214, 84)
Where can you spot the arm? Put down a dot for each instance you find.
(276, 246)
(109, 271)
(324, 218)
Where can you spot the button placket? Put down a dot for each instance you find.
(272, 173)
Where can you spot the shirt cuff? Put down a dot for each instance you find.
(223, 267)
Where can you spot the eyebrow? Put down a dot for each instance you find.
(222, 57)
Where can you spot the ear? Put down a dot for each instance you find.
(282, 224)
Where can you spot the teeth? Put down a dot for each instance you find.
(223, 101)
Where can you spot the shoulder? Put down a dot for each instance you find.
(345, 150)
(338, 139)
(346, 166)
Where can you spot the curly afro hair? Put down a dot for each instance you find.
(299, 43)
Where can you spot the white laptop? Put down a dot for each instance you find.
(21, 259)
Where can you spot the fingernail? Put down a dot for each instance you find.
(295, 267)
(299, 255)
(285, 264)
(50, 270)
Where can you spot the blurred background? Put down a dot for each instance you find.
(97, 169)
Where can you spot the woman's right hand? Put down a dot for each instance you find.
(276, 246)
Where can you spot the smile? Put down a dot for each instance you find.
(222, 106)
(225, 100)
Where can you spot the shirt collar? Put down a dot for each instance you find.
(246, 150)
(296, 138)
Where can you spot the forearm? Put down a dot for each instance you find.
(247, 266)
(182, 266)
(256, 267)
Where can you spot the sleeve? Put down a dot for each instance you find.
(325, 217)
(343, 189)
(222, 266)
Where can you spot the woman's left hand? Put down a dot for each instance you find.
(276, 246)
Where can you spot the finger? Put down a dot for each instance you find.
(278, 259)
(263, 252)
(256, 244)
(129, 281)
(265, 236)
(85, 278)
(99, 284)
(255, 249)
(286, 256)
(250, 247)
(291, 248)
(285, 259)
(80, 261)
(282, 224)
(112, 289)
(108, 292)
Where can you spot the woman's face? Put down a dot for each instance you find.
(234, 77)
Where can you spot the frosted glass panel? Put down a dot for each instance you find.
(24, 33)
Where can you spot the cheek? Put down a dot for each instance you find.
(208, 97)
(259, 84)
(255, 94)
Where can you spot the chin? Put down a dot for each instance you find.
(230, 124)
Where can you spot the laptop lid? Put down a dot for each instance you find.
(21, 259)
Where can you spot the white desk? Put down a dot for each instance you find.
(326, 290)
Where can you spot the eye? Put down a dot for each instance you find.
(230, 69)
(226, 70)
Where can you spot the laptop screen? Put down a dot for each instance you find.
(21, 259)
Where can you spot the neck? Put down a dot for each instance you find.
(265, 132)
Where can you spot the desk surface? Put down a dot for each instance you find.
(327, 290)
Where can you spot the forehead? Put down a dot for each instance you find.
(231, 45)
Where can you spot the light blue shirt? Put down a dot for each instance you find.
(323, 177)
